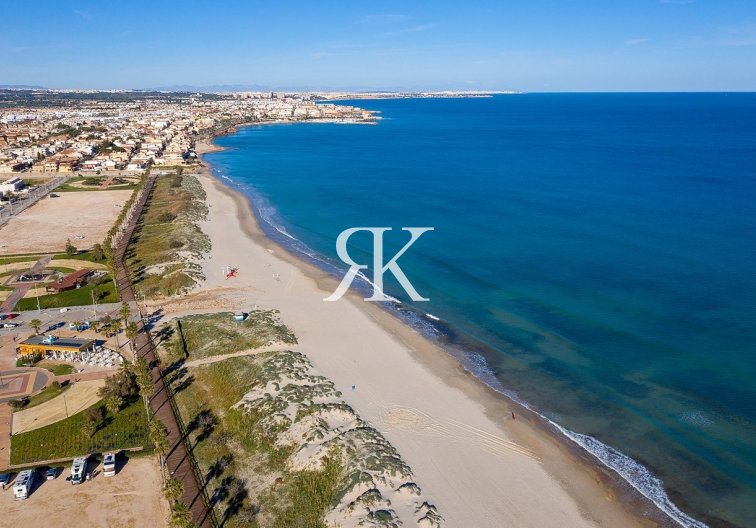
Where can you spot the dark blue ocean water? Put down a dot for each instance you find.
(598, 250)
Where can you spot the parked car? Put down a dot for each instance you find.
(51, 474)
(5, 480)
(109, 465)
(10, 325)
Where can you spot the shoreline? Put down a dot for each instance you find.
(599, 494)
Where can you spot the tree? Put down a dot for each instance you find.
(36, 324)
(98, 253)
(89, 428)
(132, 330)
(94, 417)
(144, 380)
(125, 312)
(70, 248)
(181, 517)
(173, 489)
(113, 404)
(16, 404)
(159, 438)
(122, 384)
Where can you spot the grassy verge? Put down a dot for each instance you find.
(83, 255)
(67, 438)
(215, 334)
(168, 242)
(59, 369)
(46, 395)
(78, 297)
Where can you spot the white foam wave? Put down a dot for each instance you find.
(637, 475)
(634, 473)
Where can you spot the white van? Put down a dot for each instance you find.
(23, 485)
(78, 470)
(109, 465)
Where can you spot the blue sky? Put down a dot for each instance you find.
(534, 45)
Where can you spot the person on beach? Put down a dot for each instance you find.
(513, 416)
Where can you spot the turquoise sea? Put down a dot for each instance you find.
(594, 255)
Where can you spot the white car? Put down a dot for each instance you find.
(109, 465)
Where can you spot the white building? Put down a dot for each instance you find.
(11, 185)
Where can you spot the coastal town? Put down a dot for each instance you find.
(135, 131)
(105, 251)
(164, 363)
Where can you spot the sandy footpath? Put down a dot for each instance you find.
(476, 464)
(128, 500)
(47, 225)
(81, 395)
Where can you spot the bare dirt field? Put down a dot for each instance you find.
(80, 396)
(47, 225)
(132, 498)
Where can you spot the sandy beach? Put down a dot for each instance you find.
(476, 463)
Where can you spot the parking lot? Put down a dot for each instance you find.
(131, 498)
(53, 316)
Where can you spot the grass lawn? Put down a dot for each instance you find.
(120, 183)
(66, 438)
(46, 395)
(59, 369)
(83, 255)
(78, 297)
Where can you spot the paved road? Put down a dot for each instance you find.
(10, 210)
(21, 289)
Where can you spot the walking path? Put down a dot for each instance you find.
(249, 352)
(178, 461)
(104, 185)
(85, 376)
(74, 400)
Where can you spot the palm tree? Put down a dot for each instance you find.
(181, 517)
(113, 404)
(36, 324)
(173, 489)
(159, 438)
(144, 380)
(132, 330)
(125, 312)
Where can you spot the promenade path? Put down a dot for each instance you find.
(178, 461)
(104, 185)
